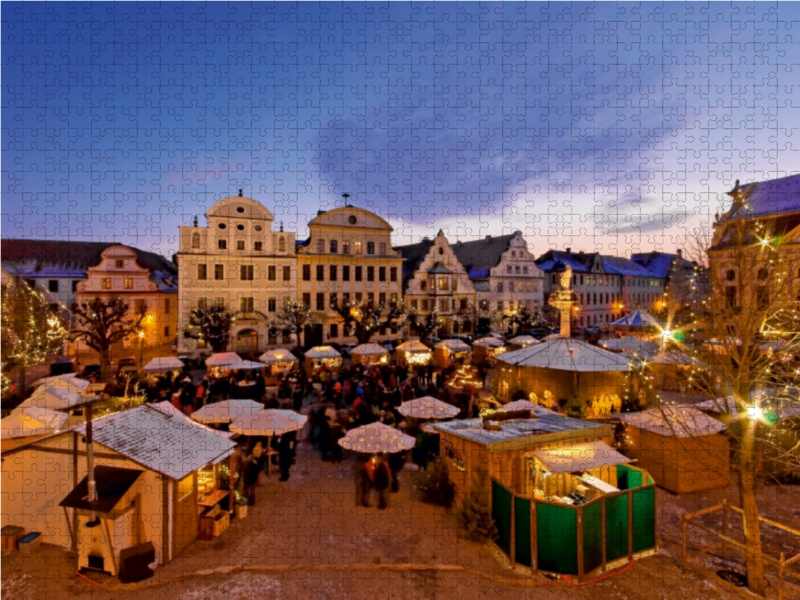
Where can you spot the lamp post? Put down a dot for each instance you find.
(141, 347)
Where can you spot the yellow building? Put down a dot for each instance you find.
(239, 261)
(147, 282)
(348, 256)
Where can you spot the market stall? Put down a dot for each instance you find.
(222, 363)
(451, 352)
(164, 364)
(370, 354)
(486, 349)
(637, 319)
(27, 424)
(428, 407)
(521, 341)
(268, 423)
(376, 438)
(630, 346)
(323, 356)
(278, 360)
(225, 412)
(413, 353)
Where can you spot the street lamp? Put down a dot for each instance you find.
(141, 347)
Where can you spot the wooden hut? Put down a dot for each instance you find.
(413, 353)
(520, 342)
(684, 449)
(561, 367)
(29, 423)
(370, 354)
(486, 348)
(451, 352)
(323, 356)
(277, 360)
(563, 500)
(155, 472)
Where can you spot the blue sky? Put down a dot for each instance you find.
(607, 126)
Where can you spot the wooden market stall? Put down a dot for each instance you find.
(278, 360)
(451, 352)
(684, 449)
(562, 499)
(521, 341)
(487, 348)
(29, 423)
(178, 475)
(323, 356)
(413, 353)
(370, 354)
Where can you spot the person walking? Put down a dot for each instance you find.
(251, 469)
(286, 454)
(397, 461)
(381, 478)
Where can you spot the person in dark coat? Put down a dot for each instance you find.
(251, 468)
(297, 398)
(396, 461)
(286, 454)
(324, 437)
(381, 479)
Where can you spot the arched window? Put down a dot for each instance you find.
(195, 240)
(730, 275)
(281, 244)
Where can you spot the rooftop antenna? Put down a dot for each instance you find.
(346, 196)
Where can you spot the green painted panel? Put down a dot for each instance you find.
(629, 479)
(522, 531)
(592, 536)
(644, 519)
(501, 513)
(616, 526)
(557, 539)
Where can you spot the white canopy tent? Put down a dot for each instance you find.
(277, 355)
(454, 345)
(638, 318)
(523, 341)
(535, 409)
(428, 407)
(323, 352)
(376, 437)
(415, 346)
(224, 359)
(226, 411)
(269, 422)
(164, 364)
(371, 349)
(489, 342)
(631, 344)
(681, 421)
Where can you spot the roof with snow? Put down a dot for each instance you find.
(771, 197)
(565, 354)
(579, 263)
(626, 267)
(679, 421)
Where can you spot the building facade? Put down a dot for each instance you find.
(147, 282)
(504, 274)
(435, 280)
(348, 256)
(239, 261)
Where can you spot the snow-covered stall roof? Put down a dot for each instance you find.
(566, 354)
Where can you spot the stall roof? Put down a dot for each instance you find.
(491, 342)
(223, 359)
(413, 346)
(680, 421)
(164, 443)
(371, 349)
(56, 398)
(637, 318)
(69, 381)
(277, 355)
(521, 433)
(112, 483)
(164, 363)
(454, 345)
(32, 420)
(323, 352)
(580, 457)
(565, 354)
(523, 340)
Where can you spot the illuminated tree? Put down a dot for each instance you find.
(425, 325)
(212, 324)
(102, 323)
(363, 320)
(296, 316)
(522, 320)
(31, 331)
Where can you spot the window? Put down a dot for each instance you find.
(520, 286)
(52, 285)
(334, 246)
(202, 303)
(423, 304)
(509, 268)
(75, 285)
(516, 269)
(370, 273)
(246, 272)
(320, 245)
(370, 247)
(306, 272)
(762, 274)
(346, 273)
(106, 283)
(381, 273)
(307, 300)
(414, 305)
(282, 244)
(345, 298)
(529, 286)
(358, 247)
(222, 244)
(258, 246)
(166, 331)
(500, 305)
(195, 240)
(320, 301)
(762, 296)
(127, 283)
(525, 271)
(272, 272)
(370, 299)
(320, 272)
(382, 298)
(334, 330)
(287, 273)
(345, 247)
(334, 299)
(393, 298)
(581, 279)
(240, 244)
(359, 273)
(462, 304)
(272, 304)
(202, 272)
(219, 272)
(119, 263)
(393, 274)
(246, 305)
(140, 307)
(333, 273)
(499, 287)
(167, 305)
(443, 283)
(222, 226)
(382, 248)
(443, 305)
(423, 285)
(484, 305)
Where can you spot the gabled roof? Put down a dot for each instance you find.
(67, 258)
(771, 197)
(482, 254)
(658, 263)
(580, 262)
(680, 421)
(617, 265)
(156, 440)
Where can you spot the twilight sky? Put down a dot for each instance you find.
(615, 127)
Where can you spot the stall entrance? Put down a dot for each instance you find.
(247, 341)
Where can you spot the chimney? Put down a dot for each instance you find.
(488, 238)
(569, 250)
(680, 253)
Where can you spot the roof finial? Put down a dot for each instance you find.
(281, 226)
(346, 196)
(195, 221)
(240, 192)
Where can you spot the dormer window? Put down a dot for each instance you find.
(119, 263)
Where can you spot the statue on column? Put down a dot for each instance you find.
(563, 299)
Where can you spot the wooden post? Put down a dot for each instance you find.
(683, 553)
(630, 525)
(782, 577)
(579, 520)
(534, 535)
(231, 473)
(725, 527)
(603, 529)
(513, 537)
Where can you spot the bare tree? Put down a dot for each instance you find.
(211, 324)
(521, 320)
(31, 331)
(102, 323)
(296, 316)
(749, 319)
(425, 325)
(364, 320)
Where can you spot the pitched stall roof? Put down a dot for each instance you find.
(66, 258)
(580, 457)
(161, 442)
(680, 421)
